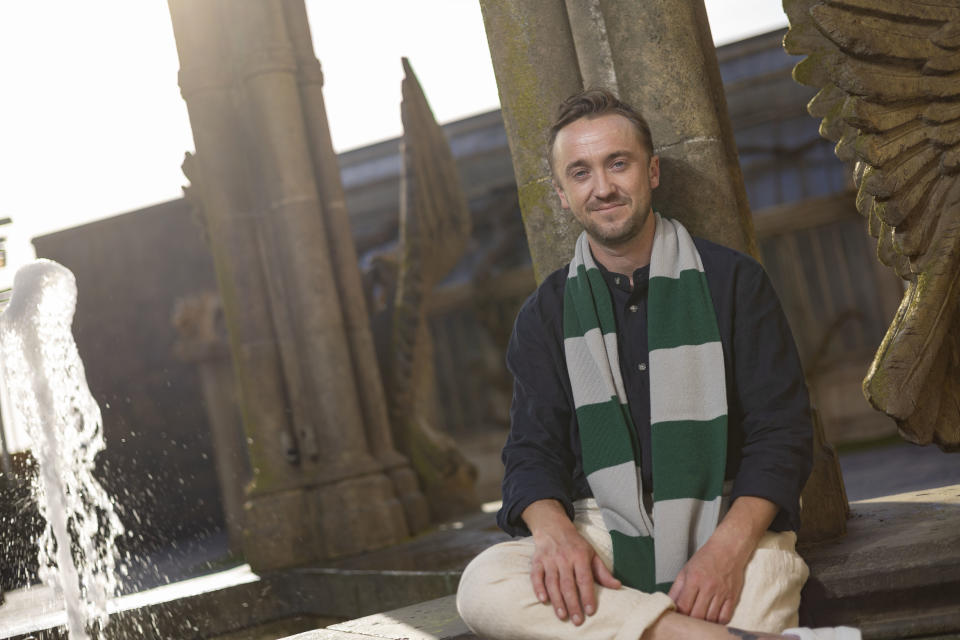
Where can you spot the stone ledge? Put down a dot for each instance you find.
(896, 573)
(433, 620)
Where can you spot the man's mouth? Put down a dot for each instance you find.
(606, 206)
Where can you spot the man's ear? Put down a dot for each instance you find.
(654, 172)
(560, 194)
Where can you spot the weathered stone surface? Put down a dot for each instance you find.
(592, 44)
(276, 533)
(250, 87)
(198, 320)
(232, 233)
(666, 66)
(703, 163)
(353, 515)
(432, 620)
(524, 36)
(435, 227)
(887, 73)
(350, 288)
(896, 574)
(824, 499)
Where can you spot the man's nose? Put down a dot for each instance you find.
(603, 187)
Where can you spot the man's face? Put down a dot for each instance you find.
(604, 175)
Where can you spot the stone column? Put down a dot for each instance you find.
(218, 176)
(535, 62)
(657, 55)
(343, 254)
(200, 341)
(666, 66)
(594, 57)
(321, 493)
(674, 82)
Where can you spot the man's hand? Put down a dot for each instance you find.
(564, 565)
(709, 585)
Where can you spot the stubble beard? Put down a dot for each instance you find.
(622, 234)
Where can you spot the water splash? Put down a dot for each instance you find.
(47, 394)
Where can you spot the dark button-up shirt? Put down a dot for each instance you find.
(769, 441)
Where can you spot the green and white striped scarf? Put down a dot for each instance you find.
(688, 409)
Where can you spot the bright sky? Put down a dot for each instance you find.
(92, 123)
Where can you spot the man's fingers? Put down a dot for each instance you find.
(553, 591)
(726, 611)
(698, 609)
(571, 594)
(677, 588)
(588, 598)
(713, 610)
(686, 599)
(603, 576)
(536, 579)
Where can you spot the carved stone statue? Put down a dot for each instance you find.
(434, 229)
(890, 98)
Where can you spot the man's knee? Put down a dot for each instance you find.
(772, 584)
(494, 582)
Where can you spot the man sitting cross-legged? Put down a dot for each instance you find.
(660, 432)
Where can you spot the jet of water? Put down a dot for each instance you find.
(46, 393)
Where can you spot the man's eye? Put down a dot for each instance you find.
(579, 174)
(619, 164)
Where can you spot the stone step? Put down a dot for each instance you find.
(896, 574)
(431, 620)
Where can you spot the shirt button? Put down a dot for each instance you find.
(634, 308)
(642, 366)
(616, 281)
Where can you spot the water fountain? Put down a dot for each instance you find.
(46, 394)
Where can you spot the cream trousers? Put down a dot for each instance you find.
(496, 600)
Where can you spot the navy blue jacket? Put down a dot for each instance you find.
(769, 448)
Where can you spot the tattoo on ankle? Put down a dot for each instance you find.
(750, 635)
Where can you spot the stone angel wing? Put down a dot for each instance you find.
(889, 79)
(435, 228)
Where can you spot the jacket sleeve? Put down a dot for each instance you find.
(538, 458)
(777, 452)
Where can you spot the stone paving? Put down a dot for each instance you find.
(896, 573)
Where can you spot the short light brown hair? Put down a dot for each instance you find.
(592, 103)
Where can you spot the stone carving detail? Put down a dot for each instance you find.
(434, 229)
(887, 73)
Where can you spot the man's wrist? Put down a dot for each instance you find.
(545, 514)
(740, 531)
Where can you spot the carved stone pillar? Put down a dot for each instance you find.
(657, 55)
(201, 342)
(666, 66)
(523, 36)
(317, 489)
(218, 175)
(343, 254)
